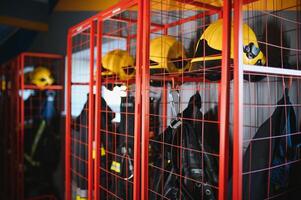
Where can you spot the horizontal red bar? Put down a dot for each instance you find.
(51, 87)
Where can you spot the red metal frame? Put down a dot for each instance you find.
(68, 120)
(21, 133)
(97, 114)
(79, 31)
(138, 103)
(274, 75)
(145, 27)
(141, 85)
(91, 114)
(145, 99)
(15, 132)
(238, 94)
(10, 120)
(225, 103)
(201, 4)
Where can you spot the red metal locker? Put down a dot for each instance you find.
(266, 126)
(80, 111)
(25, 102)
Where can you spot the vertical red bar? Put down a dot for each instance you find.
(98, 110)
(164, 105)
(137, 128)
(15, 159)
(14, 145)
(164, 95)
(224, 102)
(238, 103)
(21, 139)
(91, 113)
(145, 99)
(68, 118)
(128, 38)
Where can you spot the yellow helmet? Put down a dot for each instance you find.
(119, 62)
(41, 77)
(213, 38)
(167, 53)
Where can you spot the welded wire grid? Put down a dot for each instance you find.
(173, 81)
(55, 64)
(174, 77)
(116, 105)
(23, 109)
(271, 105)
(80, 99)
(32, 113)
(10, 101)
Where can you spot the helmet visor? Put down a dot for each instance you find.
(251, 50)
(252, 53)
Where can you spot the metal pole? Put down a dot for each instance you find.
(68, 119)
(225, 102)
(238, 103)
(137, 129)
(164, 95)
(98, 110)
(91, 113)
(21, 141)
(145, 99)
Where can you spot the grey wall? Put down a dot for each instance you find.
(54, 41)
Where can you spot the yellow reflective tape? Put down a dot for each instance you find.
(115, 166)
(93, 154)
(94, 150)
(112, 166)
(117, 169)
(103, 151)
(3, 85)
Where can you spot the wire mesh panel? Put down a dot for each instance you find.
(117, 127)
(2, 148)
(164, 68)
(271, 159)
(268, 135)
(41, 96)
(181, 124)
(11, 102)
(33, 101)
(79, 122)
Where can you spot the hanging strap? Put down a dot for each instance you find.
(30, 158)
